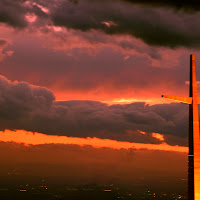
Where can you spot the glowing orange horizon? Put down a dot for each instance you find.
(110, 100)
(34, 138)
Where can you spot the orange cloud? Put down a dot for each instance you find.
(158, 136)
(26, 137)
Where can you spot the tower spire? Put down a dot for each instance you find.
(194, 143)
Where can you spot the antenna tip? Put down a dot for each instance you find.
(192, 57)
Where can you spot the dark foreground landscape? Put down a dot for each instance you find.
(42, 189)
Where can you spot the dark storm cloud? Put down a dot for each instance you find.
(162, 27)
(33, 108)
(13, 12)
(155, 26)
(19, 100)
(189, 6)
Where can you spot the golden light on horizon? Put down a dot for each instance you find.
(33, 138)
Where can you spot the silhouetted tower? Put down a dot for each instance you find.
(194, 143)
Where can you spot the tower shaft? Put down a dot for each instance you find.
(194, 143)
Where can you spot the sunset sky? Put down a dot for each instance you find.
(83, 79)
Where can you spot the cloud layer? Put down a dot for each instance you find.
(13, 12)
(32, 108)
(178, 5)
(95, 66)
(117, 63)
(154, 25)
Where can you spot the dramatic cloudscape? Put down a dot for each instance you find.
(86, 77)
